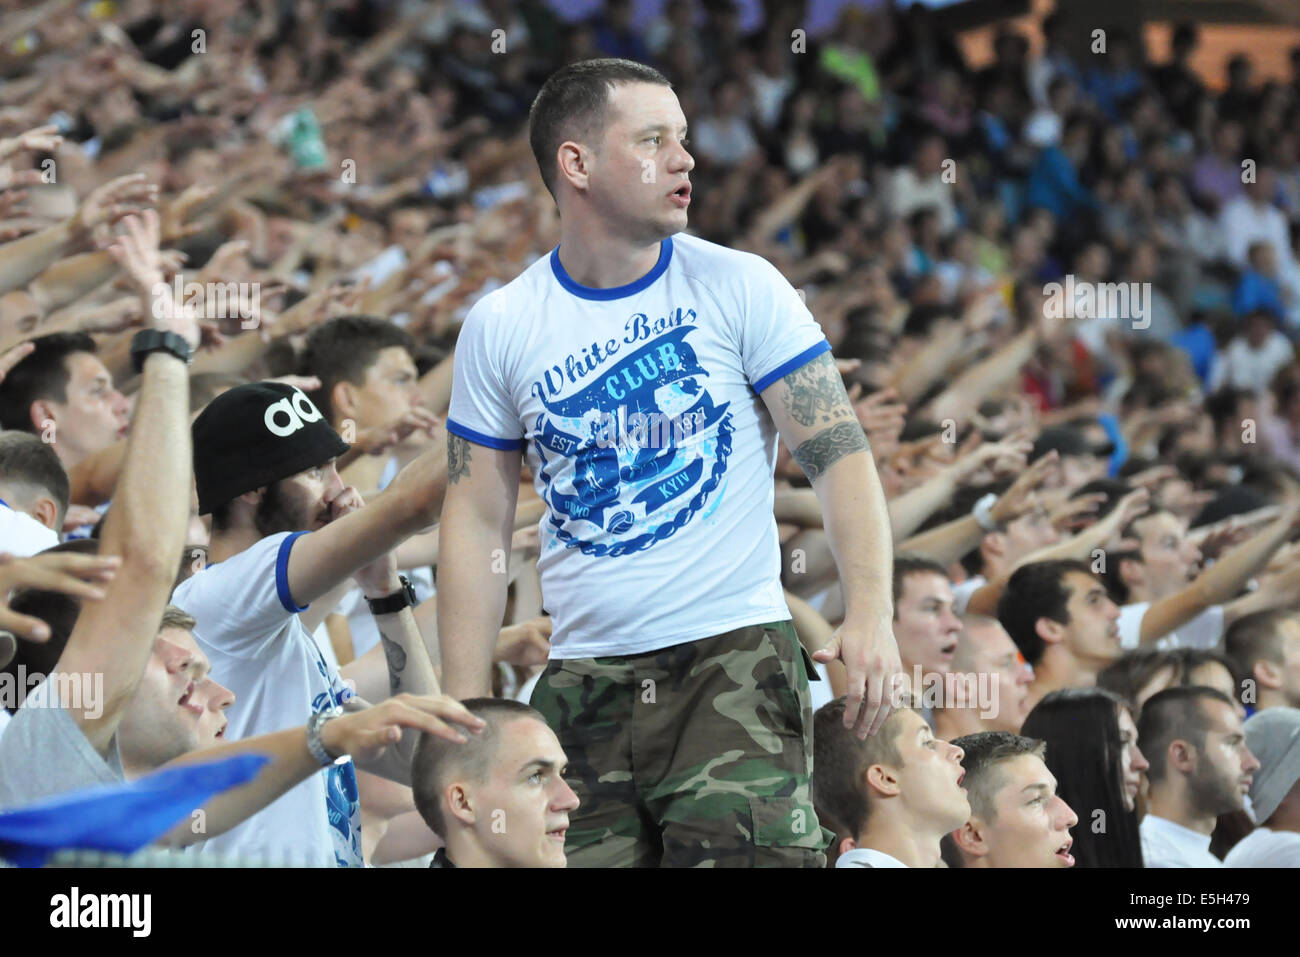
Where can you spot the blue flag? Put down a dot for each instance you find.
(119, 818)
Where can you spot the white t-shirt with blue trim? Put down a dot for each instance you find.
(638, 408)
(248, 626)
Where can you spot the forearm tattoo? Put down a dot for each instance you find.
(829, 446)
(457, 458)
(815, 393)
(395, 655)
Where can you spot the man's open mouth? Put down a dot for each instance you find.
(1063, 853)
(184, 699)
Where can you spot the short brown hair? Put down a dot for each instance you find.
(840, 760)
(982, 755)
(573, 104)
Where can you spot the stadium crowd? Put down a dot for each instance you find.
(1062, 293)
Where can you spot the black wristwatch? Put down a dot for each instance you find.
(155, 340)
(404, 597)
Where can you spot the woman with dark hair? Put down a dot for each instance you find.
(1092, 750)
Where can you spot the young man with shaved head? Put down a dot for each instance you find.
(499, 799)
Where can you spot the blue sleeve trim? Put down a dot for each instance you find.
(282, 574)
(785, 368)
(478, 438)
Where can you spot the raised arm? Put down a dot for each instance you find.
(483, 485)
(151, 509)
(24, 259)
(366, 734)
(813, 414)
(1221, 582)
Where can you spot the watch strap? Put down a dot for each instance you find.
(148, 341)
(404, 597)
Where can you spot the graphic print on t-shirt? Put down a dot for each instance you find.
(635, 451)
(342, 797)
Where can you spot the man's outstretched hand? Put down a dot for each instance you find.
(70, 573)
(870, 655)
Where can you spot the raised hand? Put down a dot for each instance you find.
(175, 213)
(367, 733)
(1019, 499)
(136, 252)
(69, 573)
(44, 139)
(113, 201)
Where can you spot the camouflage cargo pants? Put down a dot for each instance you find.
(696, 755)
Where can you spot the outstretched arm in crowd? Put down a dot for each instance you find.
(24, 259)
(366, 734)
(1221, 582)
(981, 380)
(908, 511)
(1281, 590)
(150, 514)
(831, 447)
(1081, 547)
(950, 541)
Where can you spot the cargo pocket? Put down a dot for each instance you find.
(786, 832)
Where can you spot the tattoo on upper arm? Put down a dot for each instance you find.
(815, 392)
(828, 446)
(395, 655)
(457, 457)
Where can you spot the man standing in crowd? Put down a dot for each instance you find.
(52, 746)
(1201, 767)
(63, 393)
(285, 531)
(648, 374)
